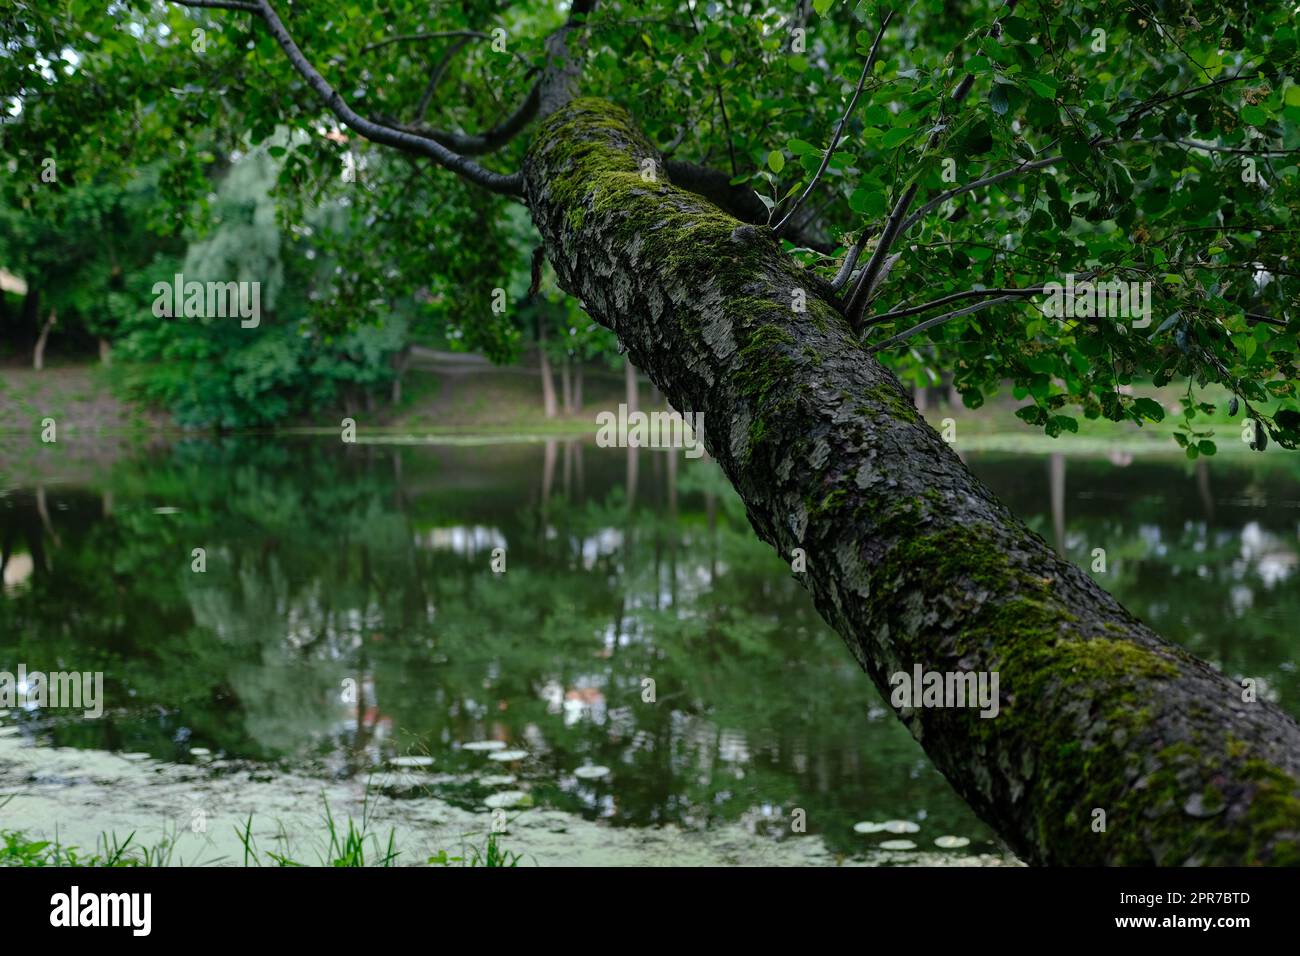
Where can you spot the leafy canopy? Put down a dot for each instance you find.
(1148, 142)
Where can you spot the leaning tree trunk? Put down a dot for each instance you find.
(909, 557)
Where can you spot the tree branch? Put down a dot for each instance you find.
(558, 83)
(476, 144)
(739, 200)
(866, 281)
(839, 129)
(250, 7)
(946, 300)
(1215, 148)
(943, 197)
(939, 320)
(850, 262)
(434, 35)
(510, 185)
(435, 77)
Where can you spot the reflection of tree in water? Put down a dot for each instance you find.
(1204, 552)
(367, 564)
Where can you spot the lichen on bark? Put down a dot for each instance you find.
(909, 557)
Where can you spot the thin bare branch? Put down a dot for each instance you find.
(948, 300)
(1215, 148)
(943, 197)
(839, 128)
(435, 77)
(1146, 107)
(433, 35)
(939, 320)
(220, 5)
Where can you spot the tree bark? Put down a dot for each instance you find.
(909, 557)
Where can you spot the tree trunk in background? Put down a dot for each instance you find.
(577, 388)
(38, 354)
(632, 398)
(566, 384)
(548, 388)
(401, 362)
(548, 382)
(105, 353)
(909, 556)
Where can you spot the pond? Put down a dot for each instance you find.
(589, 637)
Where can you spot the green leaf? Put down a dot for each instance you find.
(1150, 409)
(1254, 116)
(1019, 28)
(896, 137)
(776, 161)
(821, 6)
(1041, 86)
(1288, 419)
(867, 202)
(998, 99)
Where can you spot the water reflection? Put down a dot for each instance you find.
(350, 615)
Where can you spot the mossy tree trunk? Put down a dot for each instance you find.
(909, 557)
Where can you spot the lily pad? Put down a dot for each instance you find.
(412, 761)
(866, 826)
(901, 826)
(591, 773)
(484, 745)
(497, 780)
(951, 842)
(508, 798)
(898, 845)
(505, 755)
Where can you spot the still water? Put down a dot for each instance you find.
(375, 605)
